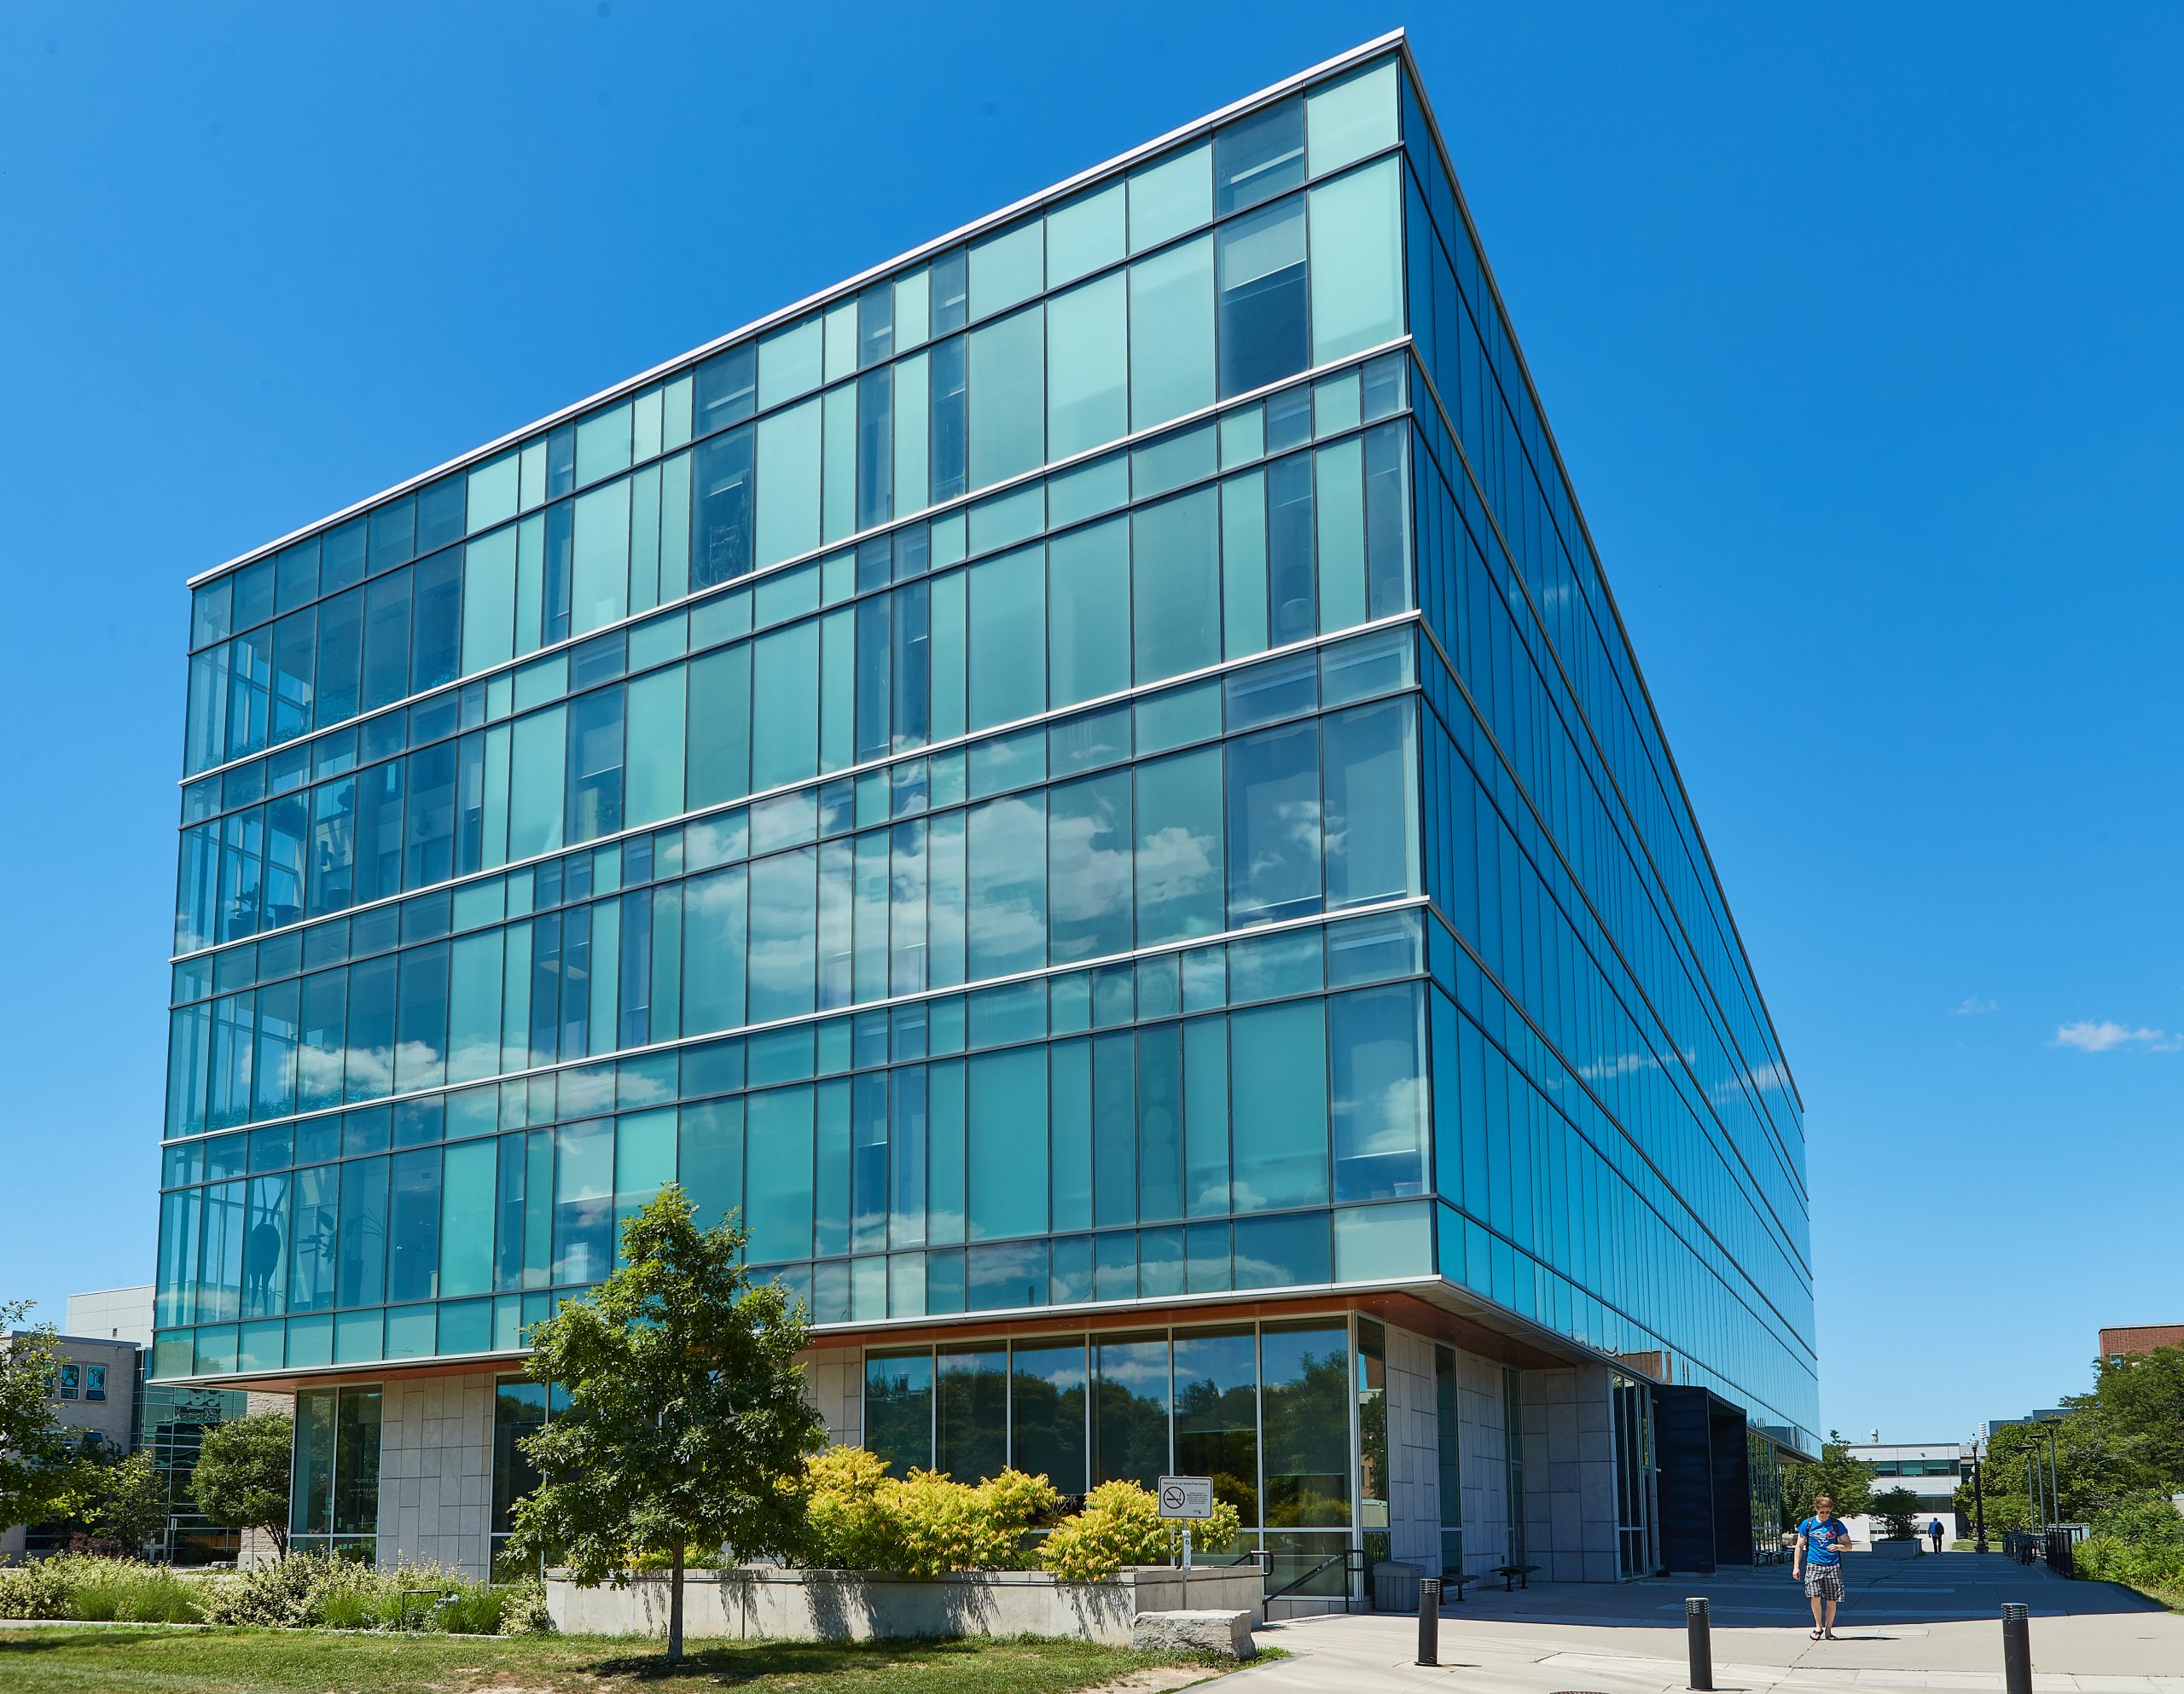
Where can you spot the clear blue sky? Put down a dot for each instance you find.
(1857, 324)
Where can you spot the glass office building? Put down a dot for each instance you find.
(1087, 783)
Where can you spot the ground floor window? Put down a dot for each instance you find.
(334, 1488)
(1372, 1439)
(1637, 1478)
(1265, 1409)
(1450, 1467)
(1765, 1466)
(520, 1406)
(1512, 1452)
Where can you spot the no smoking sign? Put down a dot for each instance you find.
(1186, 1497)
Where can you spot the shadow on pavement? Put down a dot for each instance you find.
(1878, 1592)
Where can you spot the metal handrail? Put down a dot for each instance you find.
(2055, 1546)
(1352, 1559)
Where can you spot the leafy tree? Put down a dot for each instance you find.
(2139, 1402)
(1896, 1507)
(687, 1426)
(41, 1471)
(242, 1478)
(80, 1479)
(1846, 1481)
(81, 1476)
(132, 1506)
(2003, 1497)
(2123, 1439)
(2145, 1520)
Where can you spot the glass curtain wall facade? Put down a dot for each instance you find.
(1096, 764)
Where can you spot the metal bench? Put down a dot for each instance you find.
(1512, 1574)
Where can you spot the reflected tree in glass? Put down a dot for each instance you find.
(1306, 1389)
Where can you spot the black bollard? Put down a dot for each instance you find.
(1429, 1620)
(1700, 1629)
(2017, 1650)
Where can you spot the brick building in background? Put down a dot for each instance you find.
(2127, 1341)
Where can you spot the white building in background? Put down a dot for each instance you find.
(112, 1314)
(99, 1387)
(94, 1390)
(1930, 1469)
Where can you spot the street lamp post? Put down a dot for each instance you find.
(1978, 1504)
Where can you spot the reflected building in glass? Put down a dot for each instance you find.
(1087, 783)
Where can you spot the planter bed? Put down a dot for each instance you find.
(750, 1602)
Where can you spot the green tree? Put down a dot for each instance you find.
(2004, 1499)
(41, 1471)
(2099, 1458)
(1846, 1481)
(132, 1502)
(1895, 1508)
(2122, 1440)
(686, 1427)
(2139, 1402)
(242, 1478)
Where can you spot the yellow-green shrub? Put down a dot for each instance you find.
(850, 1526)
(922, 1525)
(1121, 1525)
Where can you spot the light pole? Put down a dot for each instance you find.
(1978, 1504)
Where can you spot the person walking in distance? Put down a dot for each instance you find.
(1822, 1538)
(1934, 1529)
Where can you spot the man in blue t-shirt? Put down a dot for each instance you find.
(1822, 1538)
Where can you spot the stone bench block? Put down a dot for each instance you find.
(1223, 1634)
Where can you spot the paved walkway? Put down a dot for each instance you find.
(1931, 1622)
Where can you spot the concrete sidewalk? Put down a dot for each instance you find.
(1932, 1623)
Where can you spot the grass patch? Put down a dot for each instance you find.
(64, 1660)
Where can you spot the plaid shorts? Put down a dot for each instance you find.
(1824, 1581)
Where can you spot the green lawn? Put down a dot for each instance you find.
(59, 1660)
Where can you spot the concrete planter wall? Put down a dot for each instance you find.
(856, 1606)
